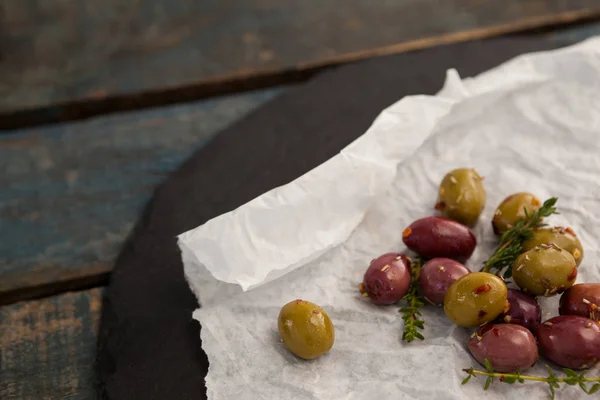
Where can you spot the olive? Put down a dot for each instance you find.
(582, 299)
(462, 196)
(545, 270)
(564, 238)
(512, 209)
(305, 329)
(524, 310)
(475, 299)
(507, 347)
(437, 275)
(570, 341)
(387, 279)
(435, 236)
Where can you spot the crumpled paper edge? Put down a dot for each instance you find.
(243, 248)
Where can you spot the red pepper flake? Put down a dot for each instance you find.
(485, 329)
(440, 205)
(482, 289)
(573, 274)
(482, 313)
(571, 231)
(535, 201)
(496, 332)
(501, 378)
(406, 233)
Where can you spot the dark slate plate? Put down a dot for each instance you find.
(149, 346)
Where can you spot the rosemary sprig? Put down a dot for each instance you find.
(411, 314)
(511, 241)
(572, 378)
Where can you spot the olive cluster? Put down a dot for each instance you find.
(510, 330)
(508, 320)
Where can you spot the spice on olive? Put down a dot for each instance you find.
(507, 347)
(570, 341)
(582, 299)
(475, 299)
(437, 275)
(512, 209)
(387, 279)
(524, 310)
(462, 196)
(545, 270)
(564, 238)
(305, 329)
(434, 236)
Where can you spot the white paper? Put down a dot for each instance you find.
(531, 124)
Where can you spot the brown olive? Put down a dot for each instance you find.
(545, 270)
(512, 209)
(582, 299)
(462, 196)
(387, 279)
(570, 341)
(435, 236)
(524, 310)
(475, 299)
(437, 275)
(564, 238)
(507, 347)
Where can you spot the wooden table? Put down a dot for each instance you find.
(160, 80)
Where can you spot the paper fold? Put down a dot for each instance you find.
(294, 224)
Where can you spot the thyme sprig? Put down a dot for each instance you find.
(511, 241)
(572, 378)
(410, 314)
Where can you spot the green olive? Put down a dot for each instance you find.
(475, 299)
(462, 196)
(512, 209)
(305, 329)
(545, 270)
(564, 238)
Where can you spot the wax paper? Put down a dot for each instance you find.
(531, 124)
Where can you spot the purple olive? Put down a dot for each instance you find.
(507, 347)
(582, 299)
(524, 310)
(570, 341)
(437, 275)
(387, 279)
(435, 236)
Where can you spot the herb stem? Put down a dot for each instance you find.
(411, 314)
(572, 378)
(511, 241)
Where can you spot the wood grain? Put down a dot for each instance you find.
(47, 347)
(71, 193)
(64, 59)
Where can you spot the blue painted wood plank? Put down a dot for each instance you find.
(47, 347)
(575, 33)
(62, 51)
(71, 193)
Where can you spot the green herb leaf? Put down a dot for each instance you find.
(511, 241)
(488, 382)
(464, 382)
(411, 314)
(488, 365)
